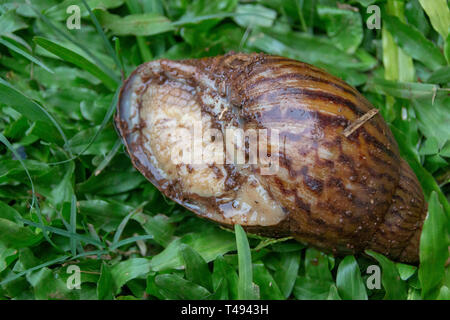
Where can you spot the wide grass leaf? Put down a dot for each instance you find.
(111, 183)
(209, 244)
(441, 75)
(128, 270)
(414, 43)
(405, 90)
(433, 248)
(196, 268)
(224, 272)
(287, 273)
(344, 27)
(439, 14)
(29, 108)
(145, 24)
(12, 46)
(246, 289)
(105, 285)
(10, 22)
(12, 235)
(59, 11)
(159, 226)
(253, 15)
(76, 59)
(349, 281)
(268, 287)
(9, 213)
(393, 285)
(311, 289)
(433, 118)
(317, 265)
(174, 287)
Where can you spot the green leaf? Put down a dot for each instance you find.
(7, 255)
(344, 27)
(105, 285)
(441, 75)
(254, 15)
(439, 14)
(406, 271)
(286, 275)
(127, 270)
(145, 24)
(8, 43)
(246, 290)
(333, 294)
(312, 289)
(433, 118)
(76, 59)
(110, 183)
(316, 265)
(9, 213)
(10, 22)
(414, 43)
(209, 244)
(398, 65)
(268, 287)
(49, 287)
(175, 287)
(27, 107)
(393, 285)
(196, 268)
(405, 90)
(224, 271)
(13, 235)
(431, 146)
(58, 12)
(348, 280)
(159, 226)
(434, 244)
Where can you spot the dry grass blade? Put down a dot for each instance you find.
(359, 122)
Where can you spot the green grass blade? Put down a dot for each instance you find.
(34, 203)
(73, 224)
(111, 154)
(433, 250)
(64, 233)
(72, 39)
(27, 107)
(25, 54)
(439, 14)
(124, 222)
(393, 285)
(105, 121)
(414, 43)
(129, 240)
(38, 267)
(349, 281)
(108, 46)
(246, 290)
(79, 61)
(196, 267)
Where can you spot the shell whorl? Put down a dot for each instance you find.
(341, 194)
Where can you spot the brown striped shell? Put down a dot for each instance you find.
(340, 193)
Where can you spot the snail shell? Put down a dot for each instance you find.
(340, 193)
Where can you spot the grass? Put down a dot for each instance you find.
(68, 192)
